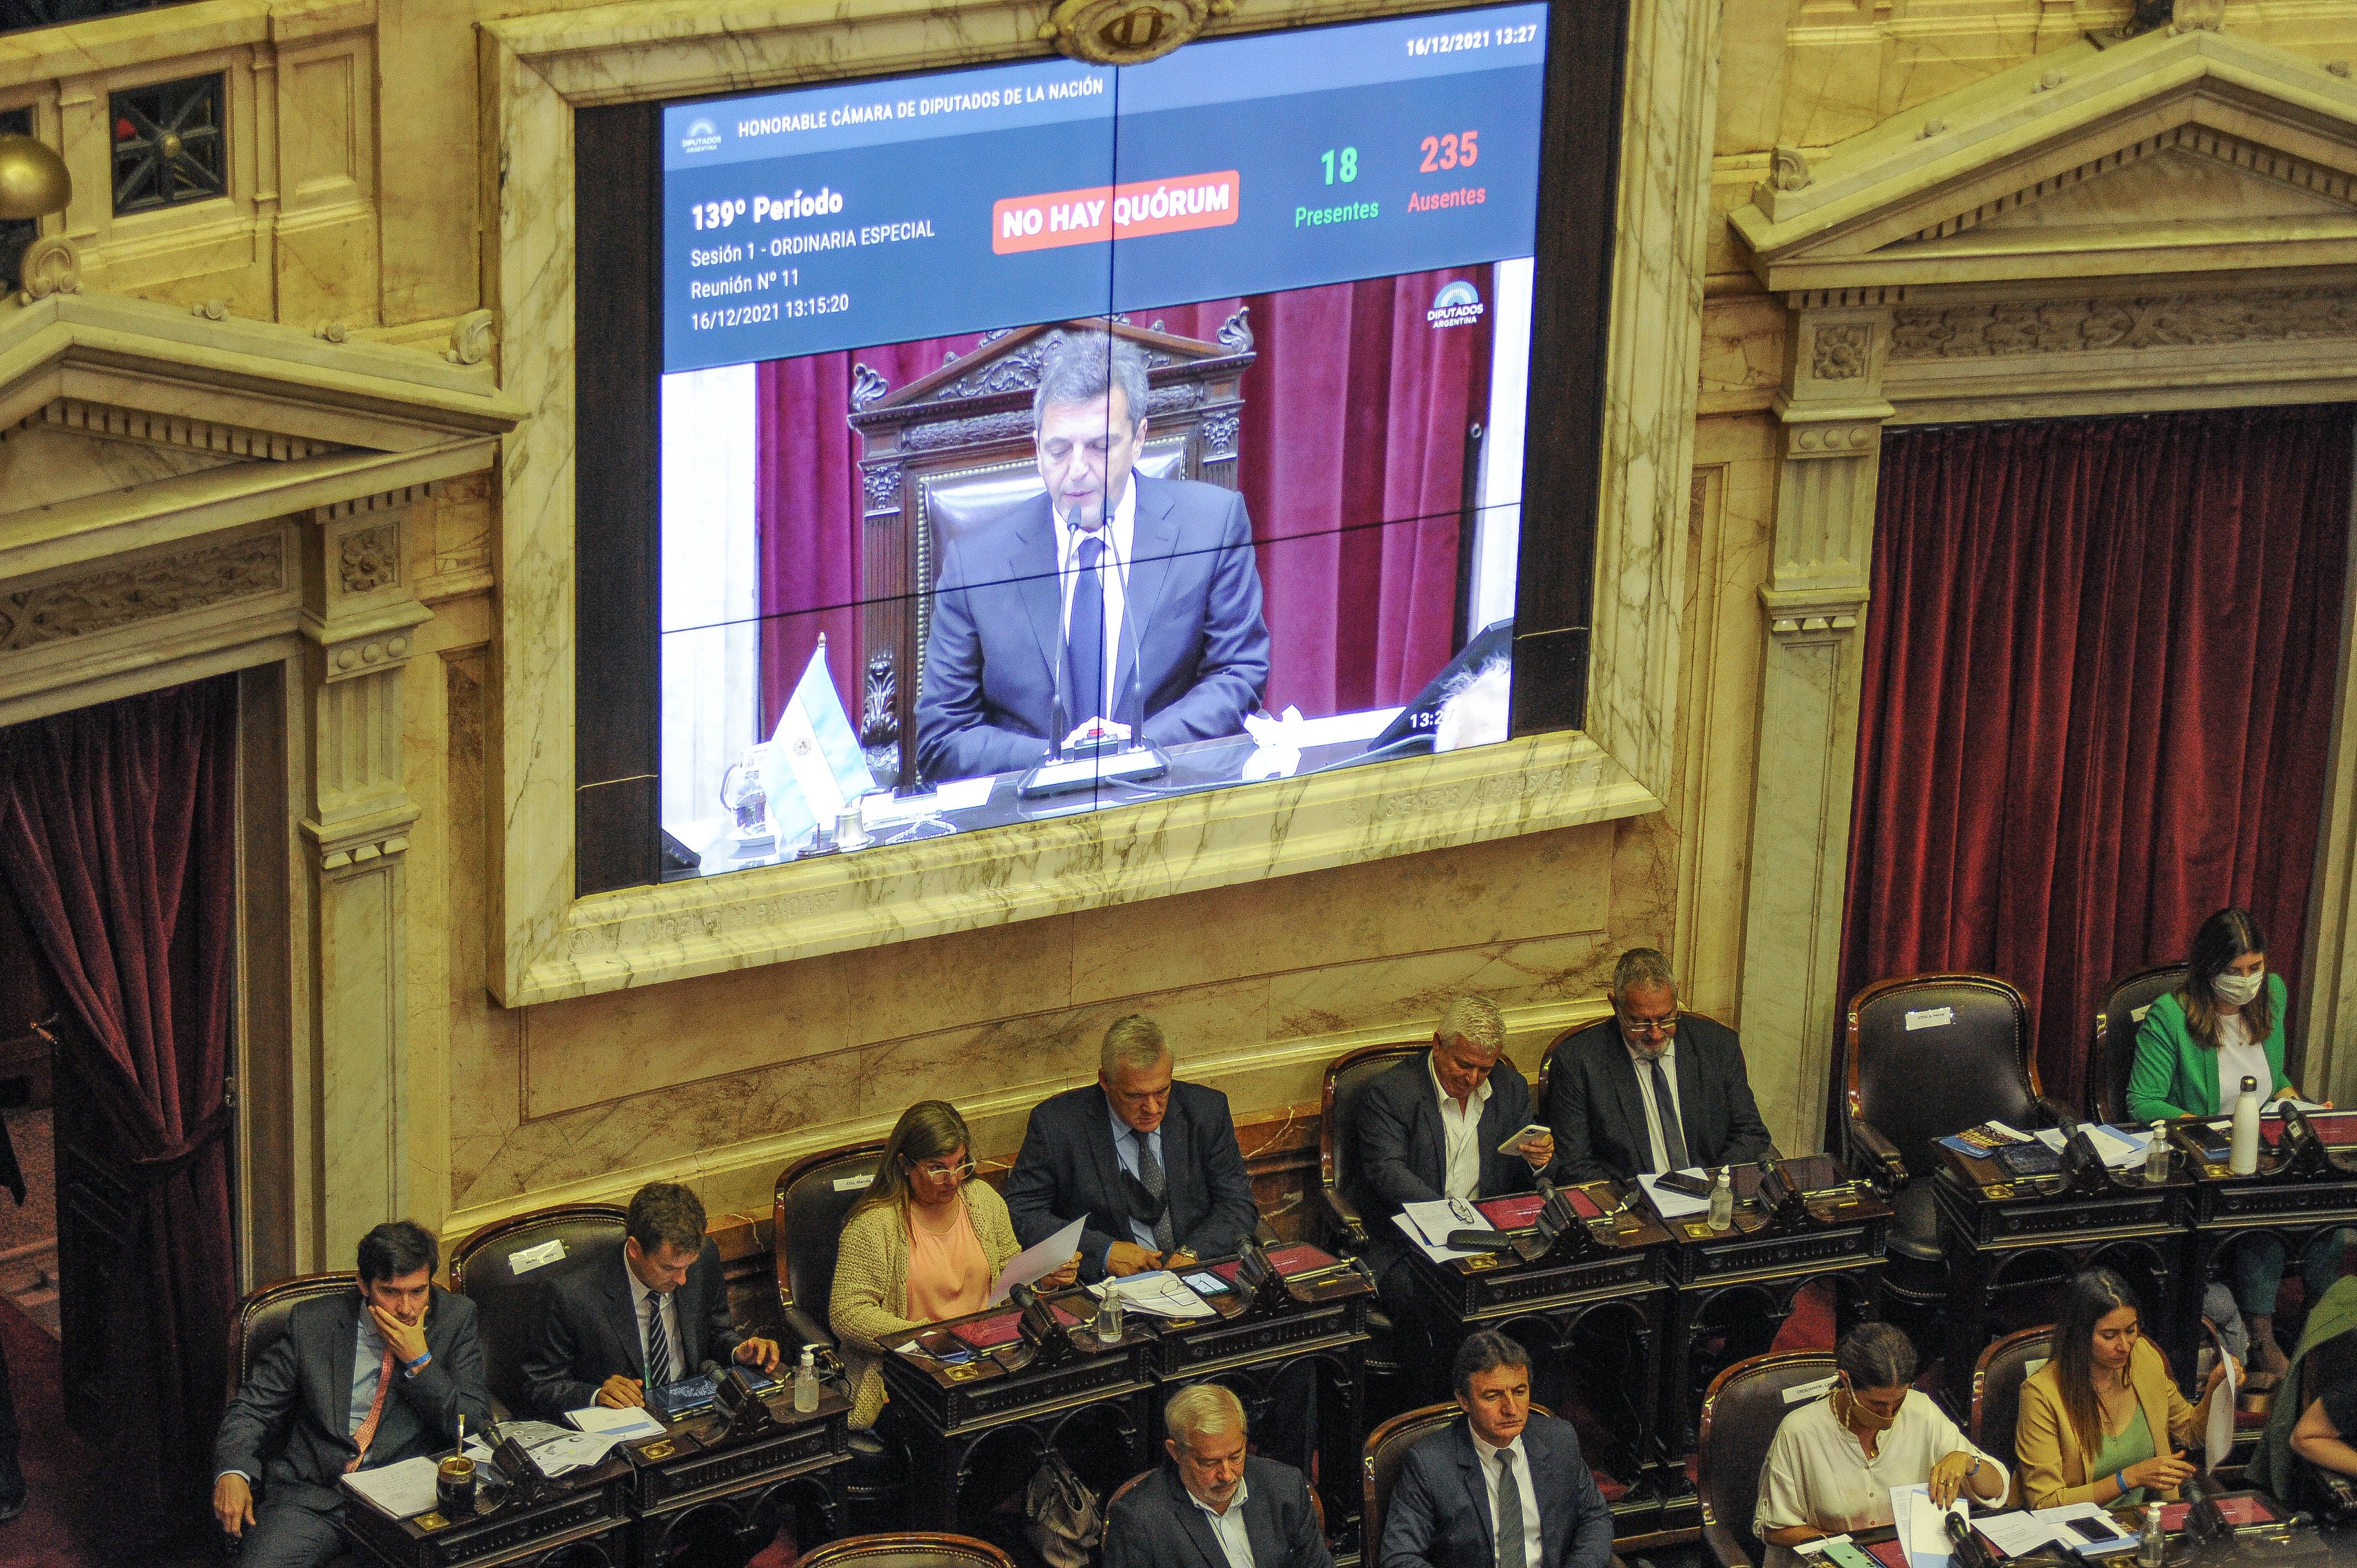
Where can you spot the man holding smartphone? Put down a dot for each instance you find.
(1450, 1123)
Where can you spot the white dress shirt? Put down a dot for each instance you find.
(1113, 573)
(1229, 1527)
(2241, 1057)
(1817, 1473)
(639, 1294)
(1492, 1476)
(1460, 1137)
(1638, 1059)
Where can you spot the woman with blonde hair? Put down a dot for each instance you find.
(921, 1245)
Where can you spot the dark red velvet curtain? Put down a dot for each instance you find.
(117, 838)
(2099, 673)
(1354, 446)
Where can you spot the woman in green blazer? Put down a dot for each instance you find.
(2194, 1048)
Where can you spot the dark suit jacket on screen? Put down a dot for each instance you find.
(996, 643)
(1598, 1115)
(288, 1426)
(1441, 1506)
(584, 1329)
(1403, 1153)
(1160, 1526)
(1068, 1169)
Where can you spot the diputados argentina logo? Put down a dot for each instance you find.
(702, 136)
(1459, 304)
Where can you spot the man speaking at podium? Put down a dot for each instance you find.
(1111, 597)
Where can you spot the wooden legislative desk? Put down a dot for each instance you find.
(2296, 1194)
(2009, 1242)
(701, 1488)
(1589, 1299)
(1731, 1291)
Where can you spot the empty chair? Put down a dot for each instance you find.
(909, 1550)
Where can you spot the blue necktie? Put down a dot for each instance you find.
(1085, 671)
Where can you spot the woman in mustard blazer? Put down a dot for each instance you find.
(2193, 1050)
(2102, 1420)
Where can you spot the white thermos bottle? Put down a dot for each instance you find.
(2244, 1157)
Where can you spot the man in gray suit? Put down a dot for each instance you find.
(360, 1380)
(1500, 1487)
(1213, 1506)
(1112, 602)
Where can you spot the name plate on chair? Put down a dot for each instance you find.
(523, 1259)
(1930, 1018)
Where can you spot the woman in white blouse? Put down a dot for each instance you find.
(1833, 1463)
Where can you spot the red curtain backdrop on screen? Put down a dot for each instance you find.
(1354, 446)
(2099, 674)
(117, 837)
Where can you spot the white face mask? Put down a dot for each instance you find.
(2239, 989)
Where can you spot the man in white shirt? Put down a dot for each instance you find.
(1450, 1122)
(1111, 604)
(1539, 1504)
(1237, 1509)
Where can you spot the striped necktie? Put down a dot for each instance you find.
(657, 1344)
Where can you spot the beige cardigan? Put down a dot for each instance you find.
(2054, 1471)
(870, 1304)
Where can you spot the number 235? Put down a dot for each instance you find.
(1455, 150)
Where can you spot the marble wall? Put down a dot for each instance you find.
(389, 128)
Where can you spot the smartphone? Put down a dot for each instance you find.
(2096, 1531)
(1693, 1186)
(1206, 1283)
(1848, 1555)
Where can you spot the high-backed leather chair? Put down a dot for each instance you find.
(1740, 1414)
(1386, 1451)
(1996, 1387)
(813, 1196)
(2117, 1019)
(1971, 1037)
(910, 1550)
(1347, 1077)
(482, 1269)
(259, 1320)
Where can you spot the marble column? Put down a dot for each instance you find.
(359, 617)
(1830, 412)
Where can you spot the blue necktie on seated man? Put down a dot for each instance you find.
(1084, 669)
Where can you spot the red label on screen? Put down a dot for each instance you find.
(1512, 1213)
(1101, 212)
(999, 1328)
(1889, 1553)
(1299, 1258)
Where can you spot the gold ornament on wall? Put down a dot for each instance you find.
(1128, 32)
(33, 180)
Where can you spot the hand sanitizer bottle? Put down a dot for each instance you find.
(2243, 1157)
(1722, 1200)
(806, 1382)
(2156, 1155)
(2151, 1546)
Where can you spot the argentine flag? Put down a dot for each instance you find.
(814, 767)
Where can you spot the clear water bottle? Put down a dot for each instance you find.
(1108, 1319)
(2156, 1155)
(2242, 1151)
(806, 1382)
(1722, 1200)
(2150, 1546)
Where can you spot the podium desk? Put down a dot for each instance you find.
(581, 1522)
(997, 1407)
(2010, 1241)
(2298, 1193)
(1589, 1303)
(1292, 1350)
(1739, 1284)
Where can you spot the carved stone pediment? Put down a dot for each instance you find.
(126, 424)
(2193, 152)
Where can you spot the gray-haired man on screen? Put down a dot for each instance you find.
(1112, 602)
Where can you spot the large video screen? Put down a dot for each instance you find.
(1049, 437)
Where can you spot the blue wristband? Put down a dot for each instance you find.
(2120, 1480)
(412, 1369)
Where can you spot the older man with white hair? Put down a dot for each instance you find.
(1230, 1509)
(1151, 1161)
(1442, 1124)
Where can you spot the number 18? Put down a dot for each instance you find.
(1349, 165)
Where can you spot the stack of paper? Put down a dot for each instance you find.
(1427, 1225)
(1922, 1526)
(401, 1490)
(1676, 1204)
(1157, 1294)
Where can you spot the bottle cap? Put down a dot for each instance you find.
(2249, 1086)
